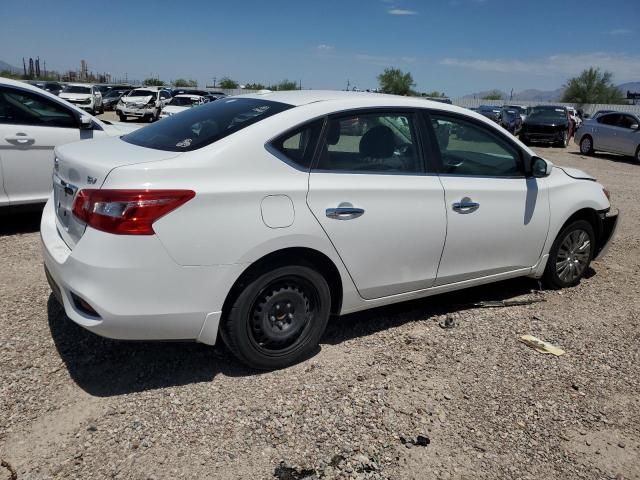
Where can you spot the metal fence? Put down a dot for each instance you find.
(588, 109)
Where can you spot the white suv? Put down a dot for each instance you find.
(145, 103)
(87, 97)
(32, 123)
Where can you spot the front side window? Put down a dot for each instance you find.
(299, 145)
(371, 143)
(626, 121)
(610, 119)
(198, 127)
(26, 108)
(467, 148)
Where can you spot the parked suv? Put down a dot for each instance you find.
(615, 132)
(145, 103)
(87, 97)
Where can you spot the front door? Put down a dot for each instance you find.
(31, 126)
(497, 219)
(383, 214)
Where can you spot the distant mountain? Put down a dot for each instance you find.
(630, 86)
(6, 66)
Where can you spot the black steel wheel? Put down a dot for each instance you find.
(278, 318)
(570, 255)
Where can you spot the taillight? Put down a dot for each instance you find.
(127, 212)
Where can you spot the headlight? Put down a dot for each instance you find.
(120, 103)
(87, 101)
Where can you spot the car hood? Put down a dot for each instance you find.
(576, 173)
(174, 108)
(539, 123)
(116, 129)
(75, 96)
(137, 99)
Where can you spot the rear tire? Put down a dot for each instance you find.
(637, 157)
(278, 318)
(570, 255)
(586, 145)
(564, 143)
(122, 118)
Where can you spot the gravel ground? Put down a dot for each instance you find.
(390, 394)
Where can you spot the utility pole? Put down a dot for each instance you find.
(300, 85)
(348, 84)
(511, 95)
(214, 81)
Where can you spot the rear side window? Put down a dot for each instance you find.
(202, 126)
(611, 119)
(299, 145)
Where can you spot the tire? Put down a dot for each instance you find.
(570, 255)
(564, 143)
(259, 337)
(524, 140)
(101, 109)
(586, 145)
(122, 118)
(637, 157)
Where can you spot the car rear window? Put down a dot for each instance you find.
(204, 125)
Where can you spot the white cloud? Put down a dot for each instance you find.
(324, 48)
(620, 31)
(623, 66)
(401, 11)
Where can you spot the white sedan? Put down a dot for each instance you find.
(180, 103)
(257, 217)
(32, 123)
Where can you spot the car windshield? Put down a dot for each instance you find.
(547, 114)
(204, 125)
(184, 101)
(113, 94)
(516, 108)
(77, 89)
(141, 93)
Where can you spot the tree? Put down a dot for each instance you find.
(434, 94)
(592, 86)
(284, 85)
(493, 95)
(153, 82)
(394, 80)
(254, 86)
(181, 82)
(226, 82)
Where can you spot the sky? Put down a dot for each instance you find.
(454, 46)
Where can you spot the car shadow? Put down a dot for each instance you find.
(105, 368)
(614, 157)
(13, 222)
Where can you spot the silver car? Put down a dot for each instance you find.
(615, 132)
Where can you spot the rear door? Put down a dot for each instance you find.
(497, 218)
(384, 215)
(31, 126)
(607, 127)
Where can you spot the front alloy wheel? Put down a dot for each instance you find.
(586, 145)
(279, 317)
(570, 255)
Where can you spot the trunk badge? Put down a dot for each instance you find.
(91, 180)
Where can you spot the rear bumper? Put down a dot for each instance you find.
(610, 221)
(137, 292)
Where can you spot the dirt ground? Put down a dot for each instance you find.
(390, 394)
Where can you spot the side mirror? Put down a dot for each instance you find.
(634, 126)
(540, 168)
(86, 122)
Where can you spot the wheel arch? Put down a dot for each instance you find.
(291, 256)
(588, 214)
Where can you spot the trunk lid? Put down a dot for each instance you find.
(87, 164)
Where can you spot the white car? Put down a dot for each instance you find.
(257, 217)
(32, 123)
(86, 97)
(180, 103)
(145, 103)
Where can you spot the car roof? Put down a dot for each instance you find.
(188, 95)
